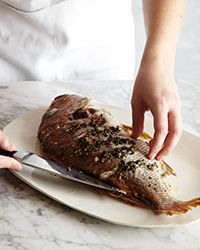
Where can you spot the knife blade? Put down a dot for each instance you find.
(35, 161)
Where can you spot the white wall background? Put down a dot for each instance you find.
(188, 50)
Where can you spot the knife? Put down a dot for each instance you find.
(35, 161)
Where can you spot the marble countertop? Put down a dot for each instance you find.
(30, 220)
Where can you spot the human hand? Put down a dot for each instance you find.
(7, 162)
(155, 90)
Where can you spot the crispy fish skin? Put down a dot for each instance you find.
(78, 135)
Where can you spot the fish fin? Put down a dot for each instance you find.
(122, 197)
(169, 170)
(129, 130)
(133, 201)
(180, 207)
(146, 136)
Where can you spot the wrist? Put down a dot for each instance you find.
(158, 57)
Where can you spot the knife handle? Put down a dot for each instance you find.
(7, 153)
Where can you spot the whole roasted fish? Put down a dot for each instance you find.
(75, 133)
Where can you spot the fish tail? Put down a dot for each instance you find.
(180, 207)
(192, 203)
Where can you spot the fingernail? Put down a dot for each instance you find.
(152, 156)
(134, 136)
(159, 158)
(18, 167)
(6, 143)
(11, 147)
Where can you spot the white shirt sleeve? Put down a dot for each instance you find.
(30, 5)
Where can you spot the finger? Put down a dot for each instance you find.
(161, 130)
(4, 141)
(175, 131)
(138, 120)
(7, 162)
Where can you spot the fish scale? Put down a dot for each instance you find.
(91, 139)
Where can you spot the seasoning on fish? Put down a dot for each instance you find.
(75, 133)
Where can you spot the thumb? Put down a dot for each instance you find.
(137, 119)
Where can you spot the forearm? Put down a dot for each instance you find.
(163, 20)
